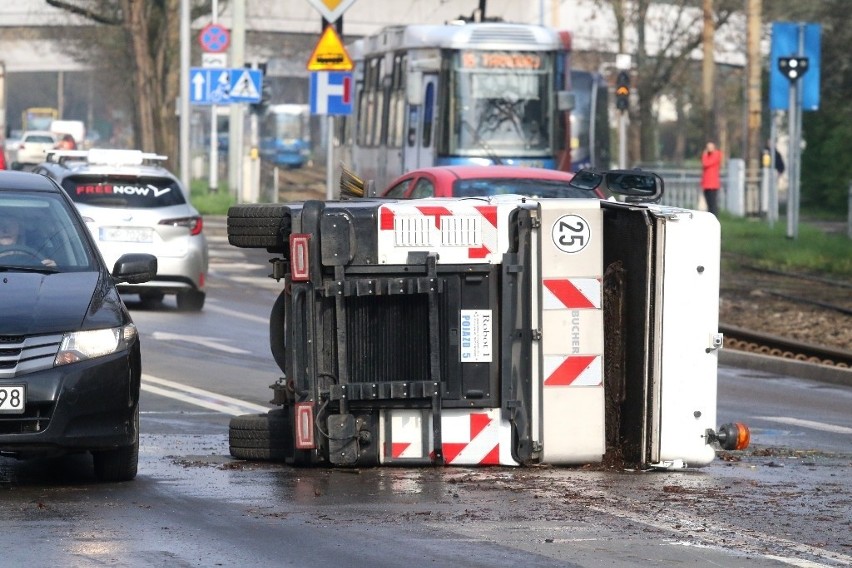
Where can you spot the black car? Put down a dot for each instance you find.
(70, 363)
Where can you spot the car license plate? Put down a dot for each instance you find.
(12, 399)
(127, 234)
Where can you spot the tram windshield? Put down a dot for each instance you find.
(502, 104)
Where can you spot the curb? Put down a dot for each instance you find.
(789, 367)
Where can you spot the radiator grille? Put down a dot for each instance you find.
(388, 338)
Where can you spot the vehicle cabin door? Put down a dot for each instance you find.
(420, 125)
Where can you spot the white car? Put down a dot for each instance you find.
(131, 203)
(33, 148)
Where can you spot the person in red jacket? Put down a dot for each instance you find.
(711, 163)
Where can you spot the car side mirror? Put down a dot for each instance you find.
(135, 268)
(636, 186)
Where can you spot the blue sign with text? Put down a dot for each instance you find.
(213, 86)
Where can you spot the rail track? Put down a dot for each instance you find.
(775, 346)
(787, 315)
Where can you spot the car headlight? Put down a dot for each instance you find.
(82, 345)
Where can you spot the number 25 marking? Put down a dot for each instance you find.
(571, 233)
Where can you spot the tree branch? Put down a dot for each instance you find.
(84, 12)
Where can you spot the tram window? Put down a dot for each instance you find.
(396, 117)
(428, 115)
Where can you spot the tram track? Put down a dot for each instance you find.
(775, 346)
(786, 315)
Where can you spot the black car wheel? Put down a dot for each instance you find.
(257, 225)
(261, 437)
(120, 464)
(278, 330)
(151, 297)
(190, 301)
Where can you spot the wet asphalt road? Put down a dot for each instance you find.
(786, 501)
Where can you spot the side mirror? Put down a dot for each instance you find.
(587, 180)
(637, 186)
(135, 268)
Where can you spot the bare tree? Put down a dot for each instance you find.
(150, 36)
(677, 34)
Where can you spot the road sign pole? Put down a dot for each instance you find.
(235, 126)
(184, 95)
(329, 159)
(213, 185)
(793, 166)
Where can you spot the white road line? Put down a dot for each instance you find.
(236, 314)
(200, 397)
(210, 342)
(808, 424)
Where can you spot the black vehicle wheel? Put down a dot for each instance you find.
(151, 297)
(278, 331)
(261, 437)
(257, 225)
(119, 464)
(190, 301)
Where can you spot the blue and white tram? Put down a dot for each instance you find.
(285, 135)
(480, 93)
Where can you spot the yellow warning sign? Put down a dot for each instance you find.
(329, 54)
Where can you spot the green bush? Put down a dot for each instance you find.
(210, 203)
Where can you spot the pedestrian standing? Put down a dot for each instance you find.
(711, 164)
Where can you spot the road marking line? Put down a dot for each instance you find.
(237, 314)
(808, 424)
(211, 342)
(200, 397)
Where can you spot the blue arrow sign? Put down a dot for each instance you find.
(210, 86)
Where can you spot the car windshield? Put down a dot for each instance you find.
(38, 232)
(131, 192)
(518, 186)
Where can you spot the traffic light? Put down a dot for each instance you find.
(793, 67)
(622, 91)
(265, 97)
(265, 91)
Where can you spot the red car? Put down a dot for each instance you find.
(478, 181)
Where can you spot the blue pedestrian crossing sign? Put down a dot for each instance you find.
(214, 86)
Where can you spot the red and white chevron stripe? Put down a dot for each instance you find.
(459, 232)
(571, 293)
(572, 370)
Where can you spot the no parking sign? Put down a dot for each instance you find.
(214, 38)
